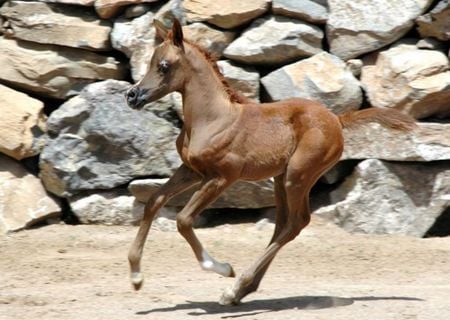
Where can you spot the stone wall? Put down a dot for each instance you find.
(68, 140)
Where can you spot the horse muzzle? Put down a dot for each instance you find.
(136, 97)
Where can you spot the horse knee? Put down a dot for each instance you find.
(184, 223)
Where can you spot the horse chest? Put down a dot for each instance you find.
(202, 157)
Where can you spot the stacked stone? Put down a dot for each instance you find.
(65, 65)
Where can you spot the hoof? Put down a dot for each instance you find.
(228, 298)
(137, 280)
(231, 274)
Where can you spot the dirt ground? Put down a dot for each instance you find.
(81, 272)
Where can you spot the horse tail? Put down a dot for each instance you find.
(390, 118)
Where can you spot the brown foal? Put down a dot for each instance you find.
(226, 138)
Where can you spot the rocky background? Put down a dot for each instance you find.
(71, 149)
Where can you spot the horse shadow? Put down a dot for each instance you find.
(256, 307)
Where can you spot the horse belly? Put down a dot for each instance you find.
(267, 156)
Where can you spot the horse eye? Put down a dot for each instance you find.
(163, 66)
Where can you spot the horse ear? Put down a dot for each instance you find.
(161, 30)
(177, 34)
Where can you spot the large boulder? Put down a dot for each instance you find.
(391, 198)
(436, 23)
(98, 142)
(314, 11)
(107, 9)
(240, 195)
(412, 80)
(275, 40)
(428, 142)
(55, 24)
(23, 200)
(54, 71)
(22, 124)
(322, 77)
(358, 27)
(225, 14)
(242, 79)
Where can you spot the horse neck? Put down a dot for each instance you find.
(204, 98)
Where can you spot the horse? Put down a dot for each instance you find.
(227, 137)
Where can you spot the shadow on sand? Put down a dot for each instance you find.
(269, 305)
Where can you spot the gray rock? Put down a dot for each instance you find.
(98, 142)
(358, 27)
(113, 207)
(355, 66)
(117, 207)
(239, 195)
(436, 23)
(429, 142)
(275, 40)
(315, 11)
(54, 71)
(136, 10)
(388, 198)
(23, 200)
(55, 24)
(431, 44)
(412, 80)
(337, 88)
(242, 79)
(173, 9)
(135, 38)
(338, 172)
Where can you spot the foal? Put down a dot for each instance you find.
(226, 138)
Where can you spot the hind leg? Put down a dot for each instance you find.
(280, 222)
(303, 170)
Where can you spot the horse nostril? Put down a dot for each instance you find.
(132, 93)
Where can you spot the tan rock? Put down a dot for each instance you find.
(22, 124)
(414, 81)
(322, 77)
(110, 8)
(53, 24)
(243, 79)
(52, 70)
(213, 40)
(23, 199)
(225, 14)
(78, 2)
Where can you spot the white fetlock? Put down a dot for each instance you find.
(137, 280)
(228, 297)
(210, 264)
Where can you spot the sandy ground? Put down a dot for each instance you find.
(81, 272)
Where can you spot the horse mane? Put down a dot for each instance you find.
(233, 95)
